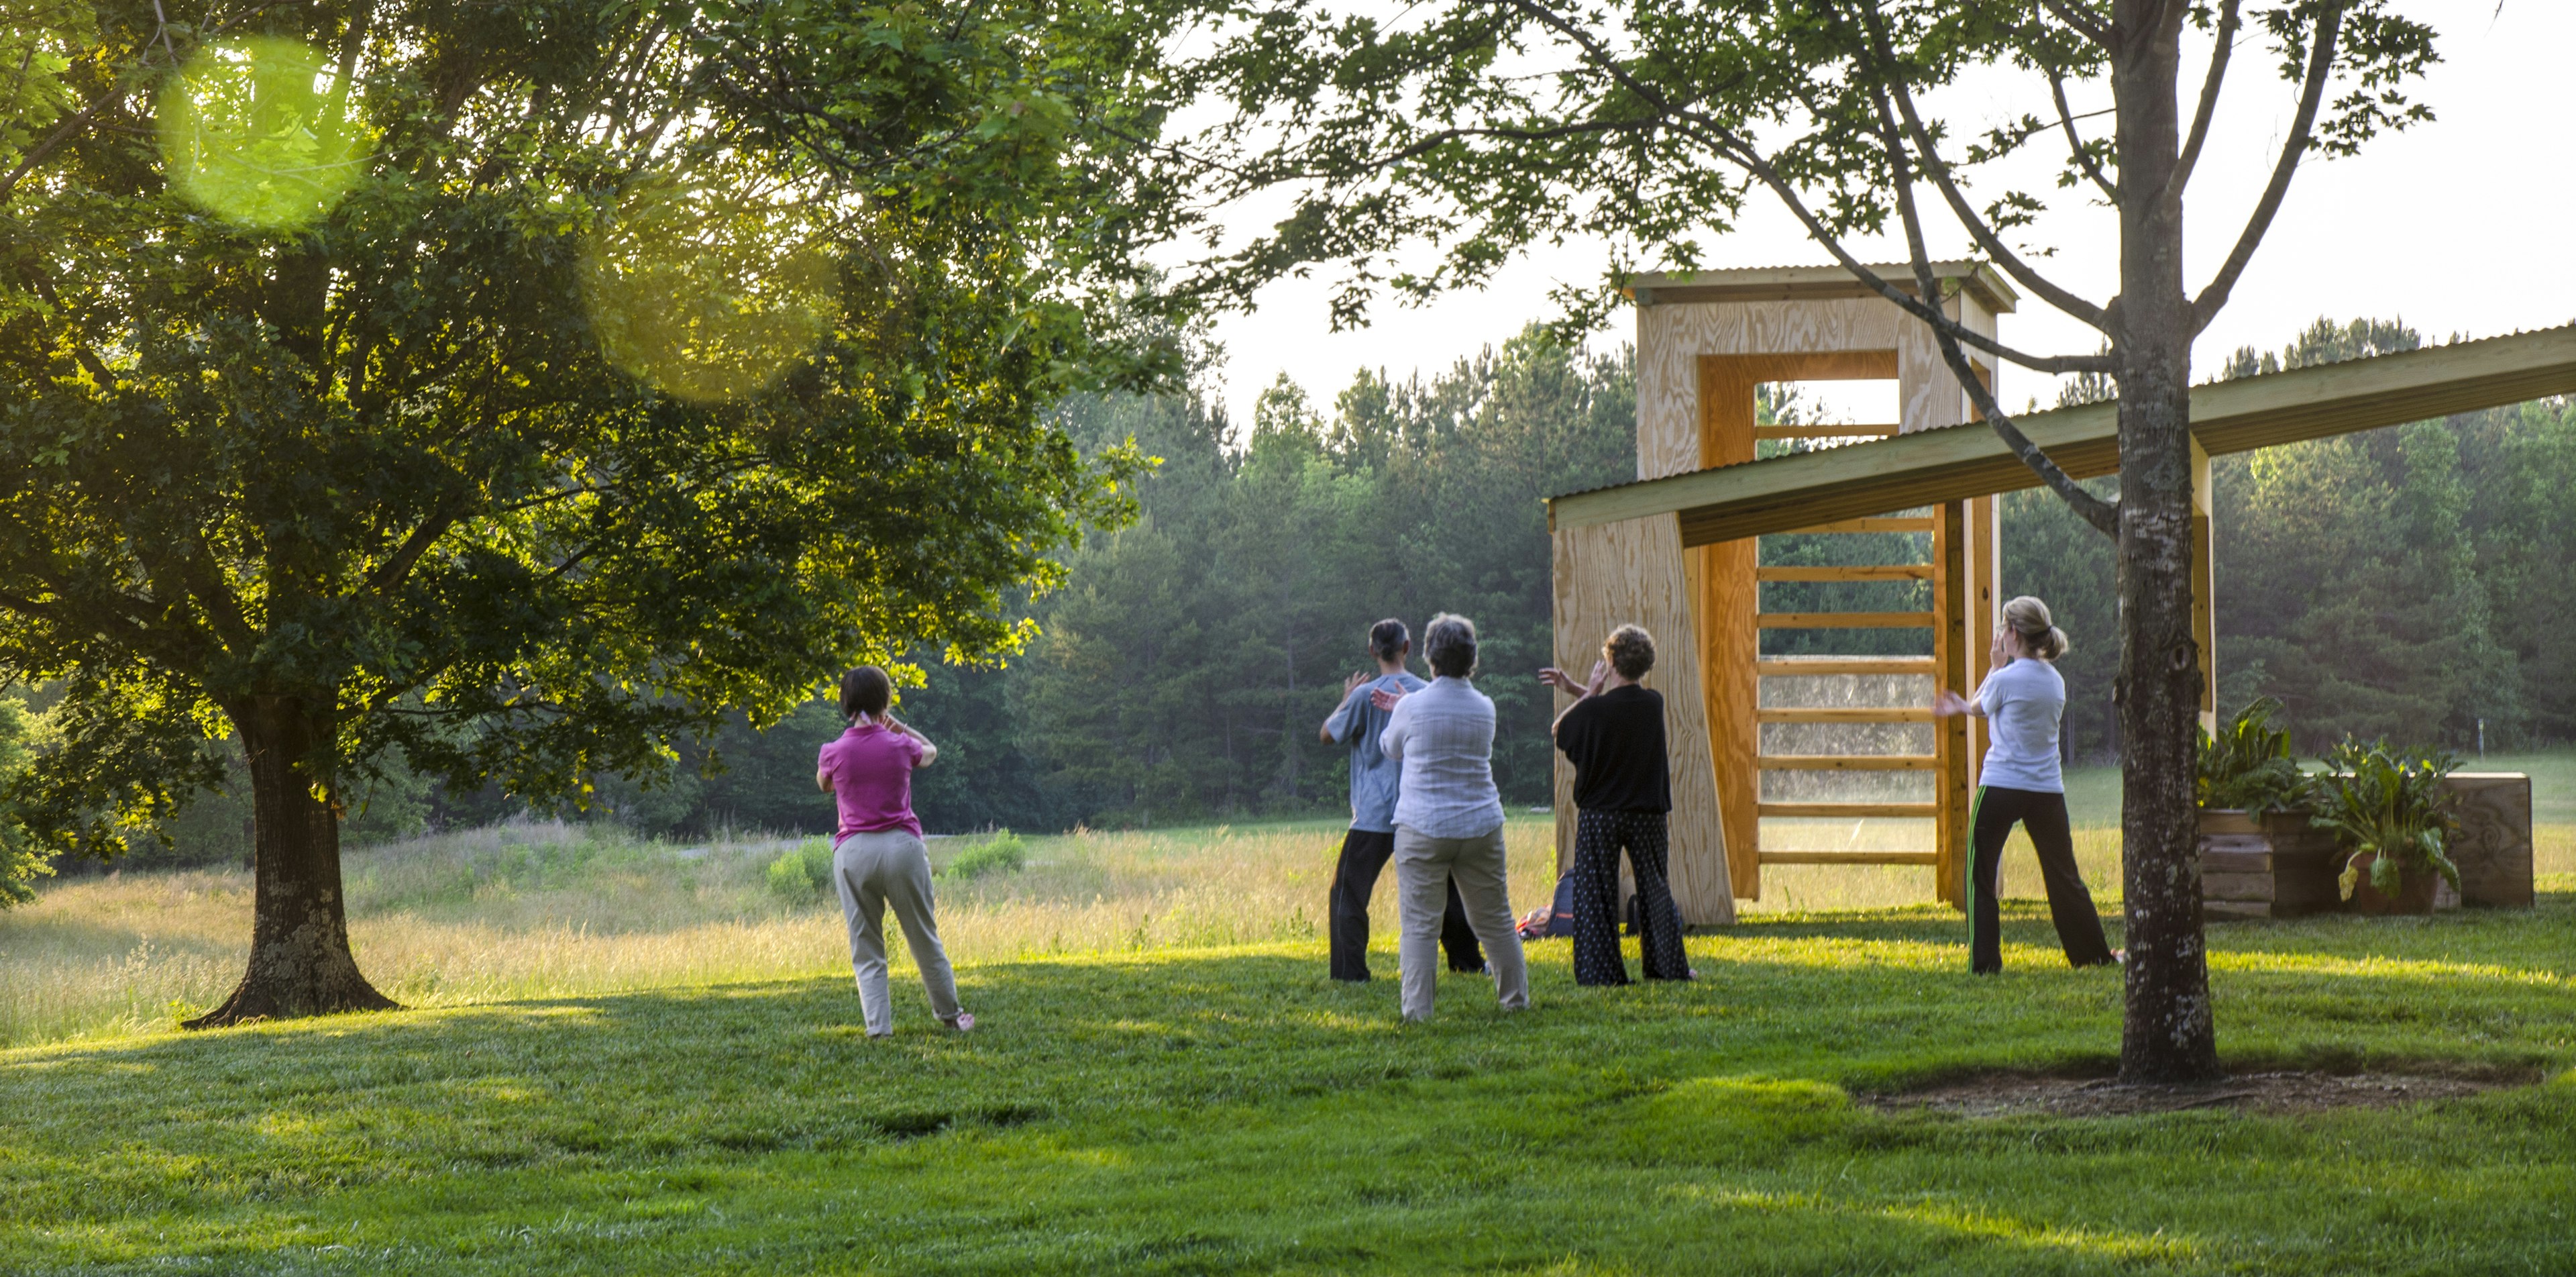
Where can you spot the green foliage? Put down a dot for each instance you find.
(801, 871)
(2388, 803)
(377, 474)
(1001, 853)
(20, 865)
(2247, 765)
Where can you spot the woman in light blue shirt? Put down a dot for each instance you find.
(2022, 699)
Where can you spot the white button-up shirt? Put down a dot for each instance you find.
(1444, 737)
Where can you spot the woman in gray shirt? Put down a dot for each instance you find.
(1449, 819)
(2022, 699)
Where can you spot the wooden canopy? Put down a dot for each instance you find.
(1927, 467)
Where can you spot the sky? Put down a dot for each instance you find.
(2462, 225)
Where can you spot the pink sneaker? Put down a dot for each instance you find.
(963, 1023)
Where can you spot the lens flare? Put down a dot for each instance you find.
(257, 131)
(707, 288)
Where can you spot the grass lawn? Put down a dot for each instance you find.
(1229, 1110)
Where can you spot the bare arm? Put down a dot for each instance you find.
(929, 752)
(1561, 681)
(1335, 723)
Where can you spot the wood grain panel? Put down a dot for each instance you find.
(1637, 573)
(1950, 737)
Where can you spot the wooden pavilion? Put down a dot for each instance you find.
(1676, 551)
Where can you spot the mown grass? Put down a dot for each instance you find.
(1230, 1110)
(633, 1057)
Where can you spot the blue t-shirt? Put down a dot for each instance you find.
(2022, 703)
(1375, 778)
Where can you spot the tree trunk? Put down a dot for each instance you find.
(2168, 1034)
(300, 962)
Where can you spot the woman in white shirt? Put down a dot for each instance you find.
(2022, 699)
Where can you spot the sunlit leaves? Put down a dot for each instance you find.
(258, 131)
(708, 286)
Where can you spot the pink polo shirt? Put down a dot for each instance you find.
(871, 771)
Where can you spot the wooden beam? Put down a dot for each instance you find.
(1950, 739)
(1843, 620)
(1825, 432)
(1897, 524)
(1849, 811)
(1932, 466)
(1818, 666)
(1844, 714)
(1849, 572)
(1848, 857)
(1814, 283)
(1846, 762)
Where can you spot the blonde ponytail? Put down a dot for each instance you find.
(2039, 634)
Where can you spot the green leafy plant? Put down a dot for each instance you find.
(2389, 804)
(799, 872)
(2247, 765)
(1003, 852)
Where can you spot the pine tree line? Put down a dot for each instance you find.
(2408, 582)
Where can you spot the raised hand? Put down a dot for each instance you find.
(1600, 678)
(1560, 680)
(1386, 697)
(1948, 704)
(1352, 684)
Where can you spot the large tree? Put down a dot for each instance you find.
(1482, 126)
(518, 388)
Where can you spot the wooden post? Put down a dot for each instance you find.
(2204, 611)
(1953, 794)
(1729, 595)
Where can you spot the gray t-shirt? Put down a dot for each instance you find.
(1375, 777)
(2023, 702)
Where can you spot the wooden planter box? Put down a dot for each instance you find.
(2276, 867)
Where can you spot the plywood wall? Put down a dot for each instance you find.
(1636, 572)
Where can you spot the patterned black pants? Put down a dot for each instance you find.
(1598, 838)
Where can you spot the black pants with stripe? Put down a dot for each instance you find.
(2070, 904)
(1364, 856)
(1598, 838)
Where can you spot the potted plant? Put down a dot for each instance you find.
(2260, 857)
(2392, 815)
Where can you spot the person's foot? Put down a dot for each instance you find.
(880, 1037)
(961, 1024)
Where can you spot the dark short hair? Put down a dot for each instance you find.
(865, 690)
(1449, 643)
(1631, 651)
(1388, 638)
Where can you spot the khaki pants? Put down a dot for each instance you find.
(875, 870)
(1424, 868)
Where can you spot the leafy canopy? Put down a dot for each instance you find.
(657, 358)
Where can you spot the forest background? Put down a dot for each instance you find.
(2409, 583)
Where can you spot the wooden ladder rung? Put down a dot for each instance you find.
(1807, 666)
(1850, 858)
(1843, 620)
(1827, 431)
(1848, 811)
(1857, 572)
(1841, 714)
(1847, 762)
(1887, 523)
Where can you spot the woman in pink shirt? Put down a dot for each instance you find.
(877, 857)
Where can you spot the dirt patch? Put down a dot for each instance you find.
(2281, 1092)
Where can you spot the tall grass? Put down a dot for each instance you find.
(547, 909)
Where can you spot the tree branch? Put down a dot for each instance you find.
(2085, 24)
(2103, 515)
(1740, 152)
(2320, 68)
(2075, 141)
(2208, 107)
(2048, 289)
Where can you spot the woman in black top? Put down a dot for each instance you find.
(1614, 734)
